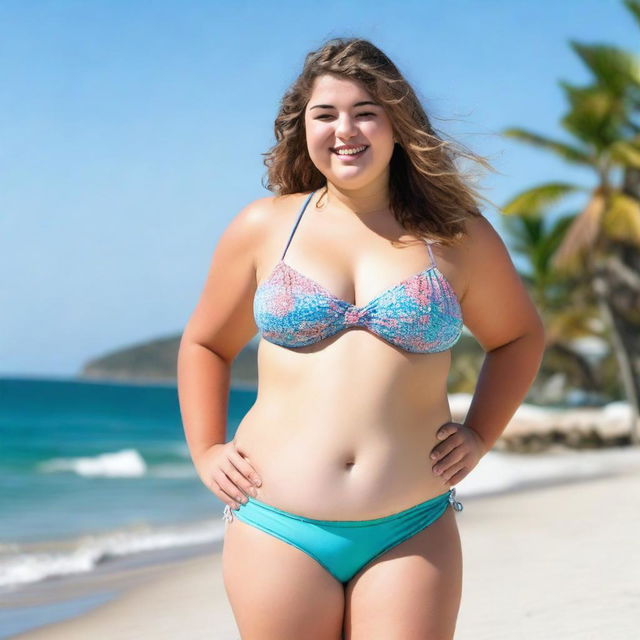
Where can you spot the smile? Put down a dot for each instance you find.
(351, 153)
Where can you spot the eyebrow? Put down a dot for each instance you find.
(357, 104)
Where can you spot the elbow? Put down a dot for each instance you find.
(535, 341)
(538, 333)
(534, 331)
(535, 337)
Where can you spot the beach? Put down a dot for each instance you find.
(555, 559)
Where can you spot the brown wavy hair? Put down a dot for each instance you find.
(429, 195)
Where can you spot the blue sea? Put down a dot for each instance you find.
(90, 471)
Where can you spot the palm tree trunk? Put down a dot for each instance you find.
(631, 182)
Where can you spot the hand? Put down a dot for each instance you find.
(458, 453)
(227, 473)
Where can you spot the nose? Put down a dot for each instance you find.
(346, 127)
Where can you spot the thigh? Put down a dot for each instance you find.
(276, 591)
(411, 592)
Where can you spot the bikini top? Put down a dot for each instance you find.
(420, 314)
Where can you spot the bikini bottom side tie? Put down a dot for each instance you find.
(343, 547)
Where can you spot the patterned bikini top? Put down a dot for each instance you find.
(420, 314)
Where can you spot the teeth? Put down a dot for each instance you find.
(350, 152)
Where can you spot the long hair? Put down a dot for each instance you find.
(429, 195)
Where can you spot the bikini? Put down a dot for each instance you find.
(420, 314)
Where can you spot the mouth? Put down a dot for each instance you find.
(350, 153)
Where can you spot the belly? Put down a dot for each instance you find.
(335, 460)
(365, 479)
(345, 432)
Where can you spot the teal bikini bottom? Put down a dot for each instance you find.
(343, 547)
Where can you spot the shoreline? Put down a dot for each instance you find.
(60, 599)
(536, 558)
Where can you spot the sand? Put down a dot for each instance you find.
(554, 562)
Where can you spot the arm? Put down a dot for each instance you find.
(219, 327)
(502, 317)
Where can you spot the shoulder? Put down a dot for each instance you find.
(480, 245)
(253, 217)
(258, 230)
(480, 235)
(258, 216)
(245, 230)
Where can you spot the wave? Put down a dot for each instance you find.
(22, 564)
(121, 464)
(128, 463)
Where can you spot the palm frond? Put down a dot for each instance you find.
(613, 68)
(567, 152)
(626, 152)
(535, 201)
(596, 116)
(621, 220)
(634, 7)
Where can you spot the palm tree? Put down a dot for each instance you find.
(568, 313)
(599, 245)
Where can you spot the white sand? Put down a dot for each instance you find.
(559, 562)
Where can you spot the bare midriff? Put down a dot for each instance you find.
(343, 429)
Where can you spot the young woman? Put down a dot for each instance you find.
(358, 275)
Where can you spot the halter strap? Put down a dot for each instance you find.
(433, 260)
(295, 226)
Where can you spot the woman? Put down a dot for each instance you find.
(336, 511)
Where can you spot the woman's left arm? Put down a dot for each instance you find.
(499, 313)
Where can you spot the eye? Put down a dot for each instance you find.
(326, 115)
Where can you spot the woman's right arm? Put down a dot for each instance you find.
(220, 326)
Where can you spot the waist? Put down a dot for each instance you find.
(337, 471)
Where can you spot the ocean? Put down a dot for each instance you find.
(92, 470)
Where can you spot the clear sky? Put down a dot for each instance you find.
(131, 132)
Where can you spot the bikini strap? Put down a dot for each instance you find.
(433, 260)
(295, 226)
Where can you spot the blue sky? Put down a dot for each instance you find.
(132, 132)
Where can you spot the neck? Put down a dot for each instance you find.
(365, 201)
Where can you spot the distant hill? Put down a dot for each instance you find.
(156, 360)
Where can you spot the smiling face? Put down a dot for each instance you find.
(342, 113)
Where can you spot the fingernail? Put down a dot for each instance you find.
(433, 456)
(259, 482)
(254, 493)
